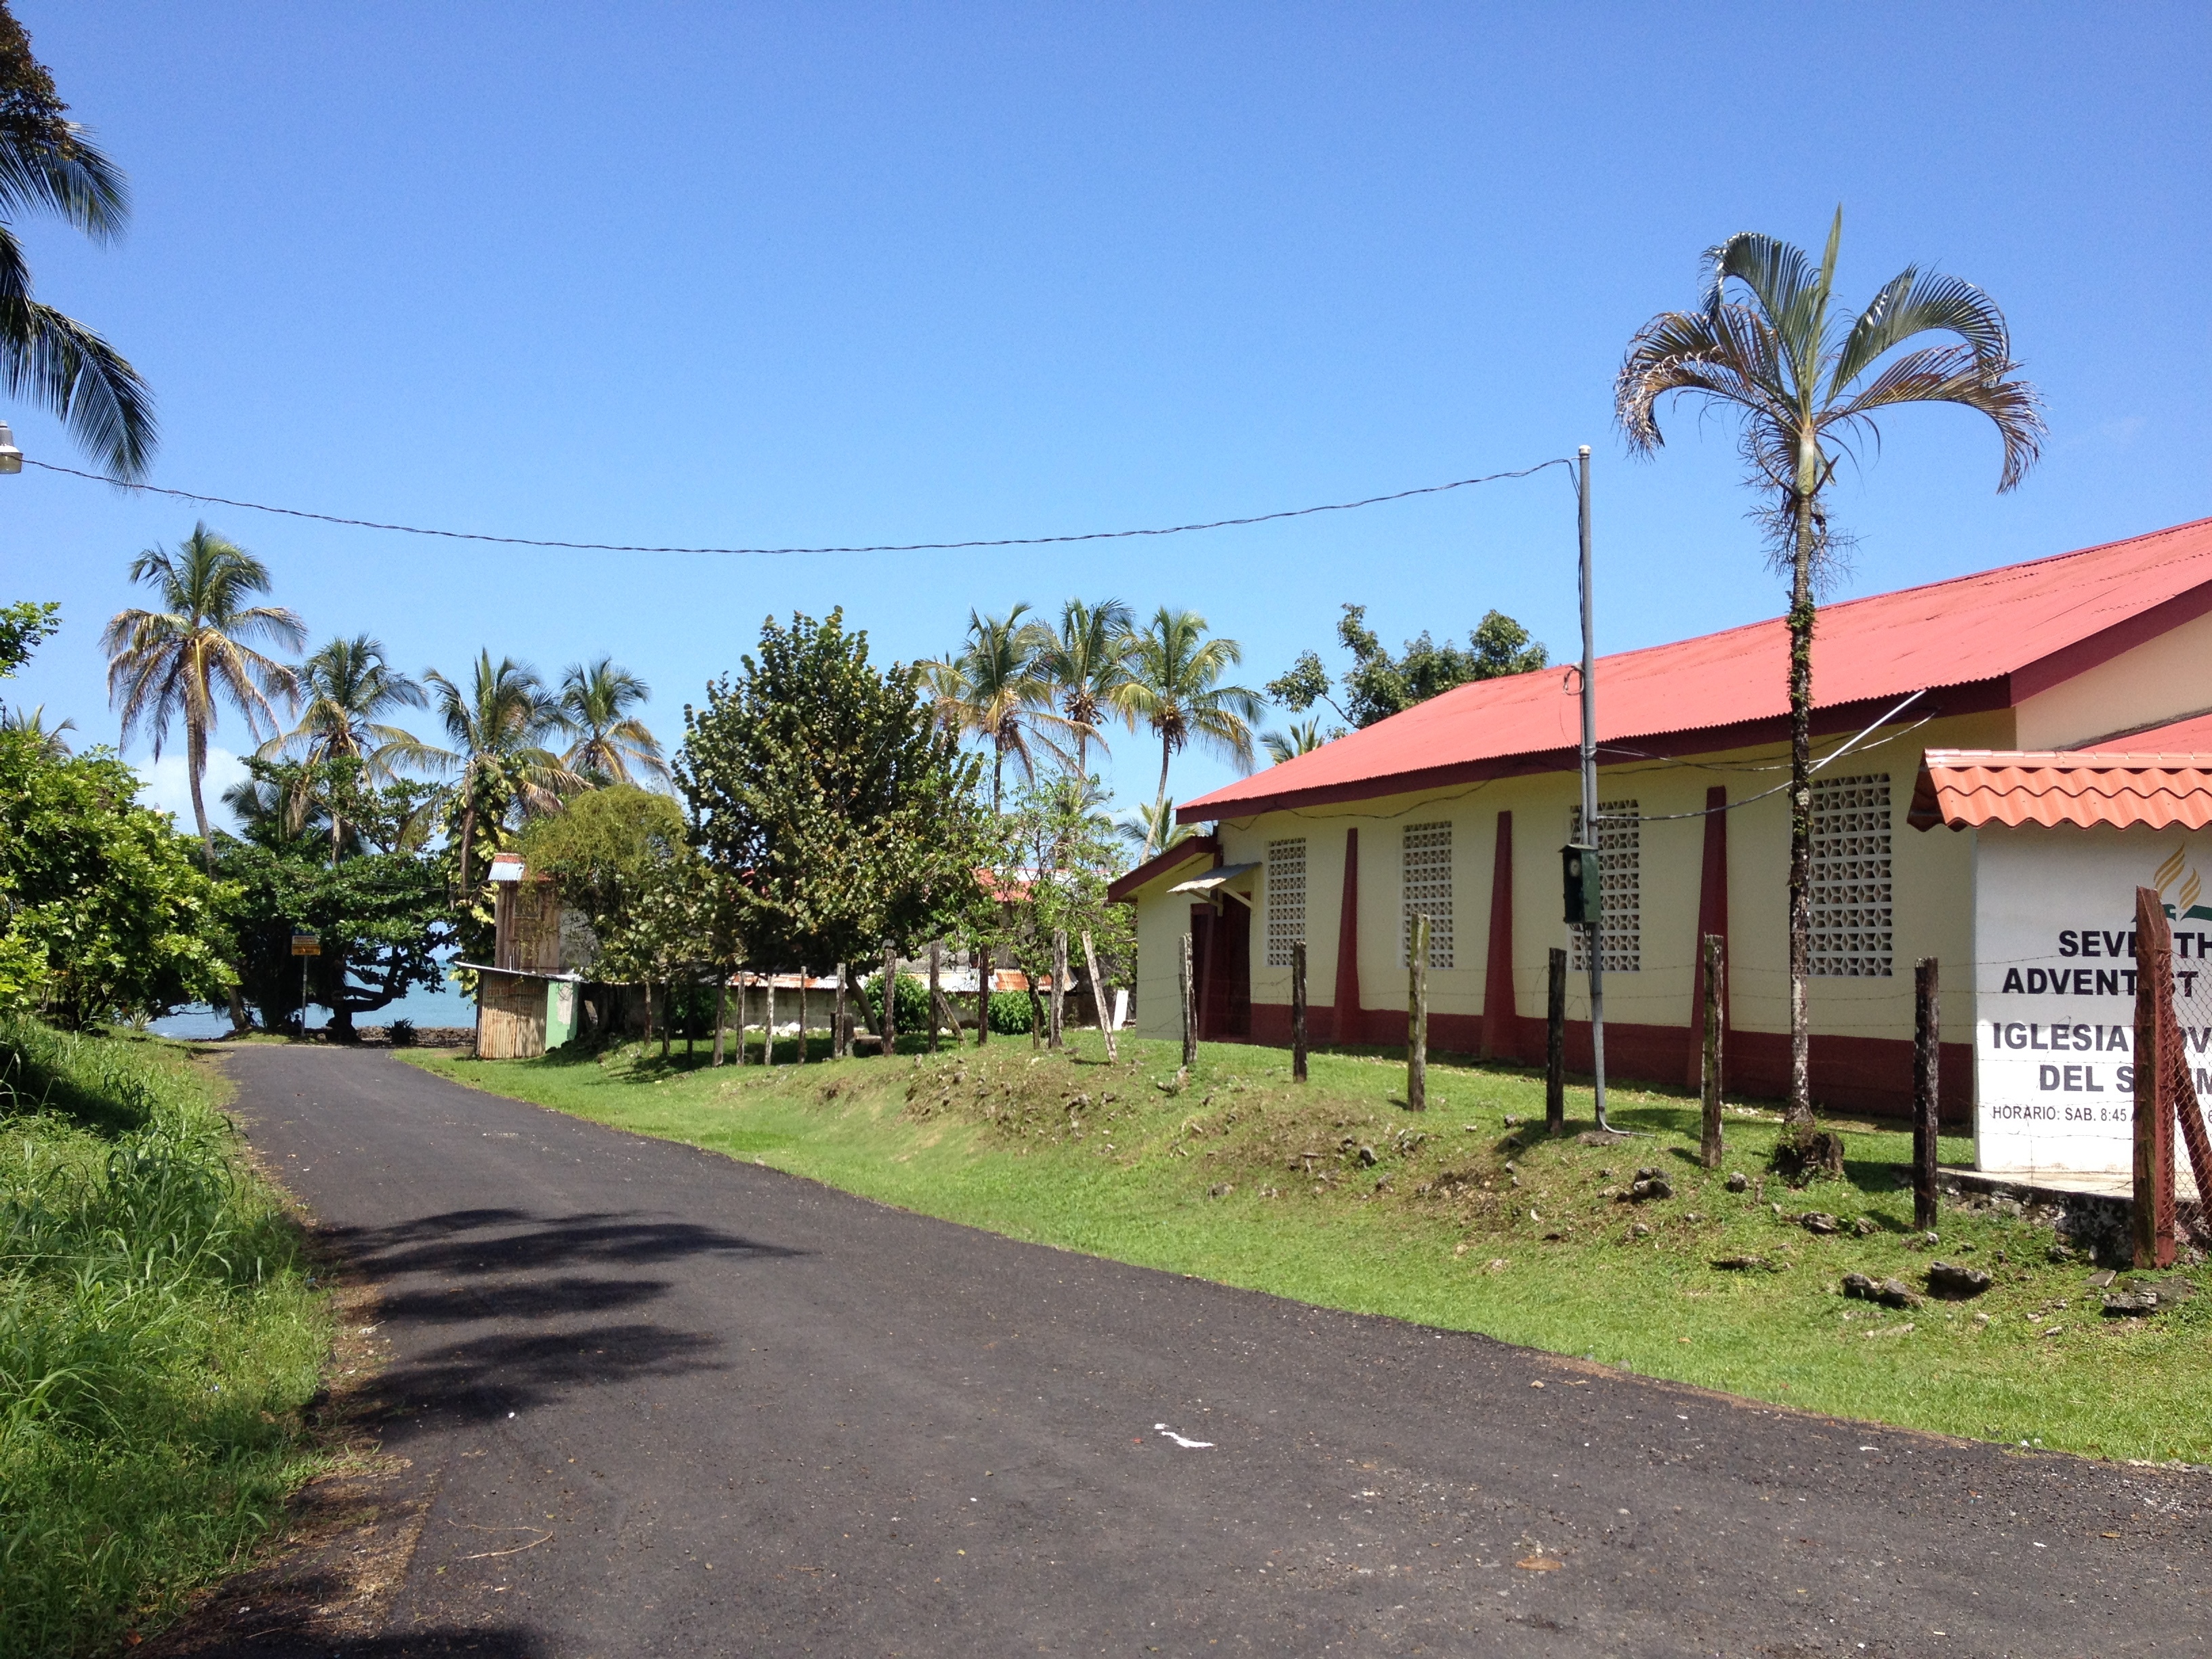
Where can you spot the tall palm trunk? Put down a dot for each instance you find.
(1798, 1115)
(1159, 801)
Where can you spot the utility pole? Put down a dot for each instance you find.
(1591, 832)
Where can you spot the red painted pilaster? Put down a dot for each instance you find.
(1712, 917)
(1344, 1020)
(1501, 1032)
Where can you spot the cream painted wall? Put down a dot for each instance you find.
(2163, 679)
(1931, 875)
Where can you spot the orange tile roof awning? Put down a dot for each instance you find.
(1964, 788)
(1975, 642)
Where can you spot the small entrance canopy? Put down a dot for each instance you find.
(1215, 881)
(2160, 778)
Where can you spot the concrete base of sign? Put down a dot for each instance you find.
(2052, 1186)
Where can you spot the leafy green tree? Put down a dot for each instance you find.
(105, 916)
(1804, 383)
(1378, 684)
(837, 812)
(1056, 856)
(48, 163)
(597, 702)
(604, 849)
(380, 907)
(23, 628)
(1175, 687)
(180, 662)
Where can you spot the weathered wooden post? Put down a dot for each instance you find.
(768, 1025)
(840, 1034)
(802, 1016)
(1059, 987)
(1555, 1046)
(1416, 1017)
(888, 1013)
(1709, 1149)
(982, 990)
(1927, 1052)
(1298, 1011)
(1099, 997)
(936, 953)
(722, 1008)
(1187, 994)
(2155, 1058)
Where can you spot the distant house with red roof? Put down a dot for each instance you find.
(2064, 697)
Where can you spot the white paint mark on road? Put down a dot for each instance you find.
(1188, 1445)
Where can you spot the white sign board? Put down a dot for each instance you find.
(2055, 987)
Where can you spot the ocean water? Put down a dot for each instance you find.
(441, 1005)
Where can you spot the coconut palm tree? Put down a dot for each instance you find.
(343, 687)
(996, 691)
(32, 722)
(498, 726)
(179, 662)
(1805, 384)
(596, 703)
(1296, 738)
(1151, 829)
(49, 163)
(1087, 660)
(1175, 687)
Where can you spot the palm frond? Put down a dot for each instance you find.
(1911, 303)
(64, 367)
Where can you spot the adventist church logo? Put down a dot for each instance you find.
(2183, 906)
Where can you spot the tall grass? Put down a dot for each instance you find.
(158, 1339)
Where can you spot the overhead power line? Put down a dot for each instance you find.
(888, 547)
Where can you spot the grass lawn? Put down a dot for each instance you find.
(160, 1338)
(1464, 1217)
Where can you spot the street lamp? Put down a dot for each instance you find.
(11, 458)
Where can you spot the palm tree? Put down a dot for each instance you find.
(1805, 385)
(343, 687)
(1151, 828)
(48, 162)
(1298, 738)
(48, 739)
(1175, 687)
(996, 691)
(596, 700)
(1087, 660)
(176, 662)
(498, 726)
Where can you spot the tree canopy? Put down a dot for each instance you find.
(838, 812)
(1378, 684)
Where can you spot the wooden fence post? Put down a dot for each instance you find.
(1416, 1017)
(802, 1016)
(1709, 1149)
(1059, 985)
(1099, 997)
(2153, 1091)
(722, 1008)
(1927, 1052)
(1187, 994)
(1298, 1011)
(983, 975)
(1555, 1045)
(935, 997)
(768, 1025)
(890, 1011)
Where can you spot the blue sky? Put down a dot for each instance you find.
(692, 274)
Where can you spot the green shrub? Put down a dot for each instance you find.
(158, 1338)
(911, 1009)
(1010, 1014)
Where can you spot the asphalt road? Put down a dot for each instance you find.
(662, 1403)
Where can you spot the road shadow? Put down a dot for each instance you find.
(489, 1378)
(548, 1298)
(477, 1241)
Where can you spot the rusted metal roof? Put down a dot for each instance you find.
(1980, 641)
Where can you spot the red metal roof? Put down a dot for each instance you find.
(1989, 640)
(1124, 887)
